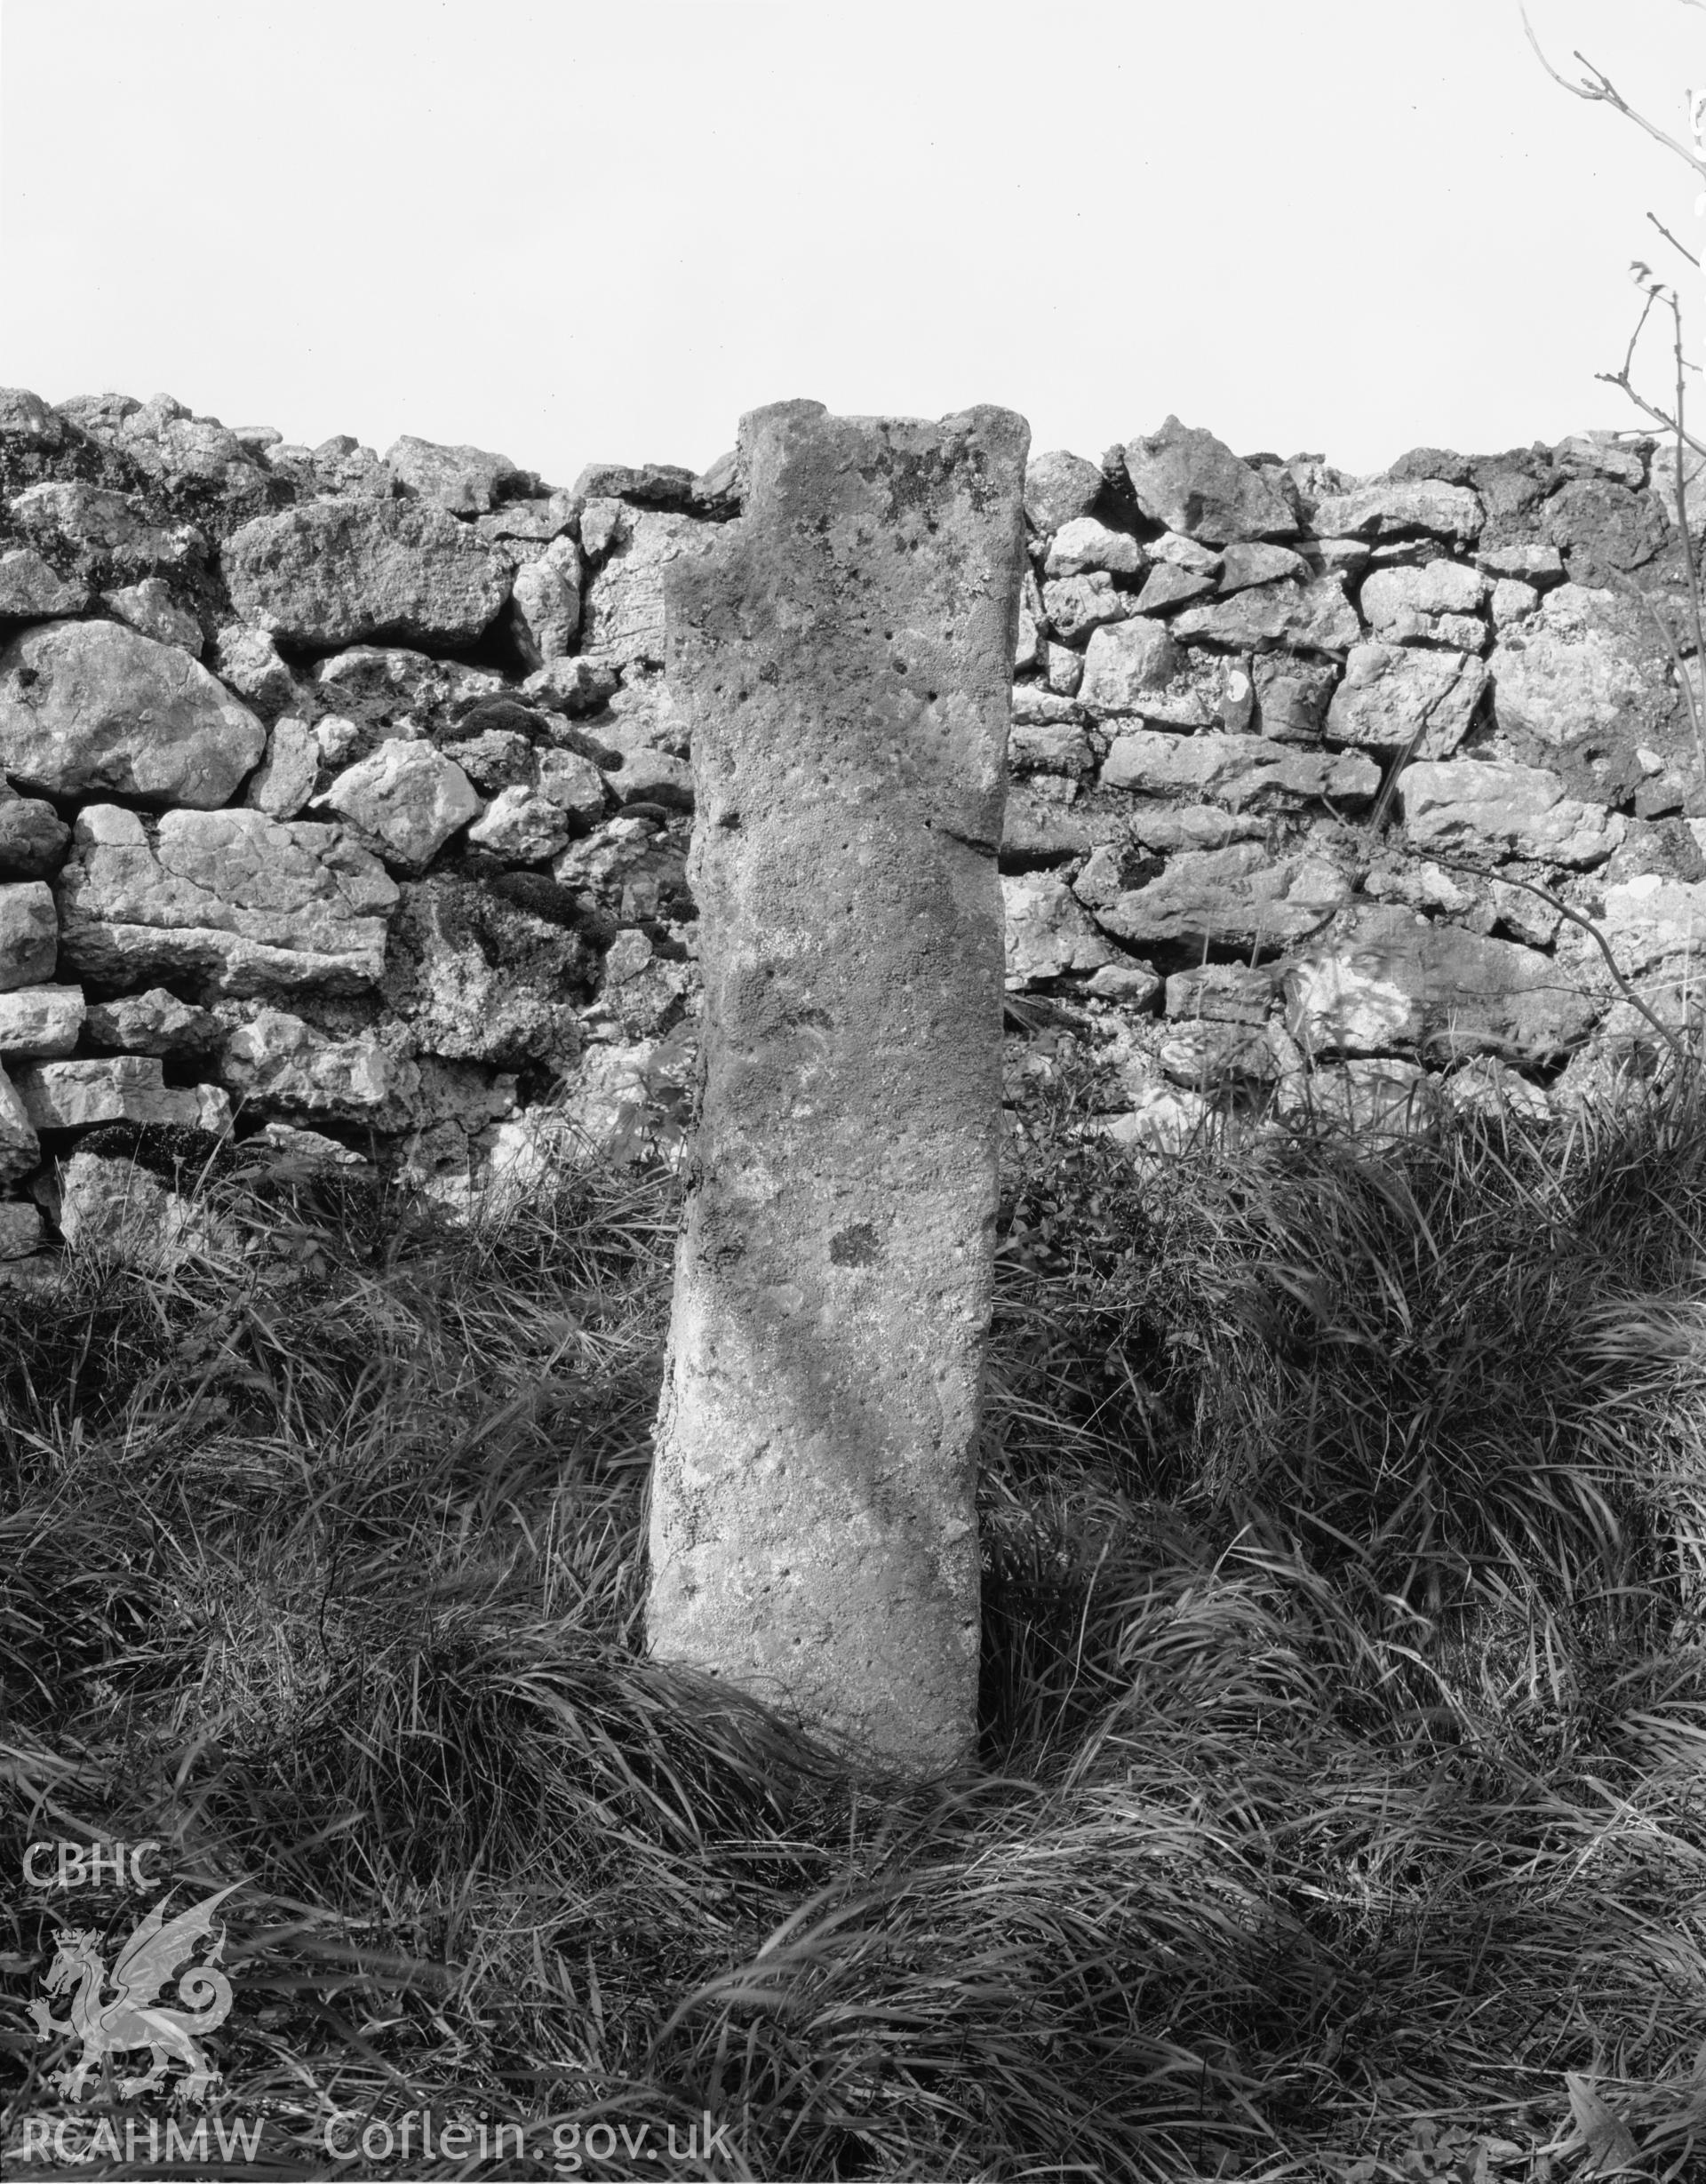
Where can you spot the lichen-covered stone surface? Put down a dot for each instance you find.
(844, 656)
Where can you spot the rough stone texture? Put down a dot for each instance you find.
(153, 1023)
(107, 538)
(283, 781)
(466, 480)
(1239, 768)
(1491, 806)
(1058, 488)
(1073, 606)
(19, 1147)
(75, 1096)
(148, 607)
(1394, 984)
(1405, 605)
(31, 592)
(1588, 663)
(1084, 544)
(93, 707)
(32, 837)
(20, 1229)
(1391, 692)
(623, 617)
(232, 901)
(1316, 614)
(1193, 483)
(1047, 932)
(30, 935)
(276, 1061)
(1232, 898)
(479, 978)
(407, 797)
(337, 572)
(814, 1532)
(544, 606)
(39, 1023)
(1393, 508)
(1126, 666)
(129, 1214)
(1291, 695)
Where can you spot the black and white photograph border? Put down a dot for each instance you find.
(851, 1230)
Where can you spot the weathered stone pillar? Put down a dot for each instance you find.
(843, 655)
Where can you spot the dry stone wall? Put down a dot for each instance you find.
(342, 799)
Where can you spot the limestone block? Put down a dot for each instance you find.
(153, 1023)
(129, 1088)
(39, 1023)
(87, 706)
(31, 592)
(1394, 984)
(108, 537)
(1586, 663)
(1047, 932)
(148, 608)
(1073, 606)
(335, 571)
(1127, 666)
(407, 796)
(1193, 483)
(1292, 695)
(129, 1214)
(231, 900)
(1238, 897)
(30, 935)
(1165, 587)
(813, 1528)
(522, 825)
(1206, 1055)
(544, 605)
(478, 978)
(1393, 508)
(249, 661)
(1501, 808)
(1247, 562)
(1390, 691)
(276, 1061)
(623, 614)
(466, 480)
(1530, 561)
(20, 1229)
(19, 1147)
(283, 781)
(1084, 544)
(1239, 769)
(1059, 487)
(1317, 614)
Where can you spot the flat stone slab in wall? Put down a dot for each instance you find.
(1391, 984)
(844, 653)
(233, 900)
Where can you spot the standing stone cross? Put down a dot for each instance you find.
(843, 658)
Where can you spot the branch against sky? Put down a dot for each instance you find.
(1599, 90)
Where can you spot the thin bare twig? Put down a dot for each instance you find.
(1666, 233)
(1577, 918)
(1603, 92)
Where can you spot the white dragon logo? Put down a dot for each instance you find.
(132, 2019)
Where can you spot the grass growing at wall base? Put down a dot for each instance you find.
(1341, 1811)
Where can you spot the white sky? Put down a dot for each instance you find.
(575, 232)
